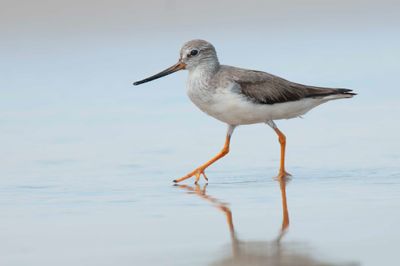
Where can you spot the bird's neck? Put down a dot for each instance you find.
(205, 71)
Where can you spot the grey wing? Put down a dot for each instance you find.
(265, 88)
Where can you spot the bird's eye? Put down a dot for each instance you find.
(194, 52)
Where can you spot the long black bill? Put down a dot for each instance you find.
(170, 70)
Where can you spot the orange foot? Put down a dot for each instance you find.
(282, 175)
(197, 173)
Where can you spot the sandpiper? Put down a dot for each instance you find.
(239, 96)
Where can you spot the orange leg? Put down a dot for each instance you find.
(282, 141)
(200, 170)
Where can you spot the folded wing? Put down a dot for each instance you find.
(265, 88)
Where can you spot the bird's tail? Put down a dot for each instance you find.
(330, 94)
(346, 92)
(340, 94)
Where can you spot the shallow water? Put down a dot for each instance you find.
(342, 218)
(101, 201)
(88, 159)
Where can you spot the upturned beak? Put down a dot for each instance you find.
(178, 66)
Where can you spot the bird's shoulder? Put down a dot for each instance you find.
(235, 74)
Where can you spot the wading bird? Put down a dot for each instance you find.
(239, 96)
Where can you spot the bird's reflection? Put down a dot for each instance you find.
(274, 252)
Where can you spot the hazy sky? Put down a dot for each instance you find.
(69, 19)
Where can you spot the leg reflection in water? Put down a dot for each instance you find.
(269, 253)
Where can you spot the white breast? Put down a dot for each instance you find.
(199, 92)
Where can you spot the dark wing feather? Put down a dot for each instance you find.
(265, 88)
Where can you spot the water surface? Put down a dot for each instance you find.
(87, 159)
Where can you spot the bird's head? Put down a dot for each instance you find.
(198, 53)
(193, 54)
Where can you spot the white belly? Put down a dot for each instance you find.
(235, 109)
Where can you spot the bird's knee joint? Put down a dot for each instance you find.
(225, 151)
(282, 139)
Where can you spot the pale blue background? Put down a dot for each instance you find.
(87, 159)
